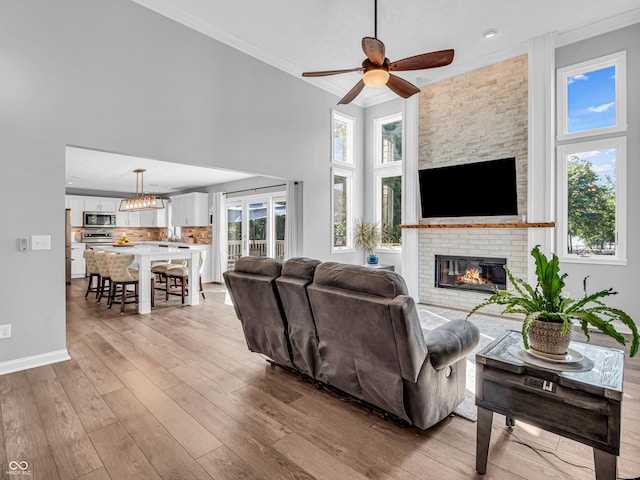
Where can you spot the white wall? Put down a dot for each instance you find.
(118, 77)
(623, 279)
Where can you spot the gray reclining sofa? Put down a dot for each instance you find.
(354, 329)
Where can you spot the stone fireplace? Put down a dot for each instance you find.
(462, 272)
(473, 117)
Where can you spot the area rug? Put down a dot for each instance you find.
(491, 327)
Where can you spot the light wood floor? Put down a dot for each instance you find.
(177, 395)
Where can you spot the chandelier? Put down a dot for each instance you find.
(141, 201)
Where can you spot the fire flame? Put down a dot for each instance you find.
(472, 275)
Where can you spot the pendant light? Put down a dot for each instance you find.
(141, 201)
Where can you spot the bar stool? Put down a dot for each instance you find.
(105, 279)
(182, 273)
(160, 269)
(122, 276)
(92, 271)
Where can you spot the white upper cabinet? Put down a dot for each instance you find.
(127, 219)
(154, 218)
(98, 204)
(190, 210)
(76, 204)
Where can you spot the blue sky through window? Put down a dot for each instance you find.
(591, 104)
(591, 100)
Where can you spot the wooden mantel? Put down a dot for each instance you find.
(482, 225)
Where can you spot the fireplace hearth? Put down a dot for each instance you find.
(482, 274)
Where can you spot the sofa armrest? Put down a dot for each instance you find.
(450, 342)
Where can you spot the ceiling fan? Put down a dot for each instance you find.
(376, 67)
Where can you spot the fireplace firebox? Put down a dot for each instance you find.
(471, 273)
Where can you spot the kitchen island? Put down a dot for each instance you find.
(144, 254)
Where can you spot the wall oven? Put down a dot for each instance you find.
(98, 219)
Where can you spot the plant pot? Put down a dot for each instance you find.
(372, 259)
(547, 337)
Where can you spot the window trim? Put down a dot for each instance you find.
(384, 170)
(616, 59)
(348, 174)
(351, 153)
(563, 151)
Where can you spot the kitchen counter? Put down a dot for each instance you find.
(145, 254)
(176, 244)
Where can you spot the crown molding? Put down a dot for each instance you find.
(598, 28)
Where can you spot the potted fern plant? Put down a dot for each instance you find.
(367, 236)
(549, 315)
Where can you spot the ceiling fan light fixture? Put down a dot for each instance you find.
(375, 77)
(490, 34)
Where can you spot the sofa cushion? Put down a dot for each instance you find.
(356, 278)
(269, 267)
(300, 267)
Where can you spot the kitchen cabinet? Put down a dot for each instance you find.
(99, 204)
(153, 218)
(127, 219)
(78, 264)
(76, 204)
(190, 210)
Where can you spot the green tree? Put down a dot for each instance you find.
(591, 207)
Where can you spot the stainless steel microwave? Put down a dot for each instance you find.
(98, 219)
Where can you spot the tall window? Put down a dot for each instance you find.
(341, 138)
(388, 178)
(342, 172)
(591, 173)
(341, 209)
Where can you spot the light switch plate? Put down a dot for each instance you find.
(40, 242)
(5, 331)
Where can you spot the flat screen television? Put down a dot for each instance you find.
(470, 190)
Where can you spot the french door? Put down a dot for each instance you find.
(256, 227)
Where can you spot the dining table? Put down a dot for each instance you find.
(145, 254)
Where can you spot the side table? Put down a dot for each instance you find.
(582, 406)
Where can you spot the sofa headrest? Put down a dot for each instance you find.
(382, 283)
(269, 267)
(300, 267)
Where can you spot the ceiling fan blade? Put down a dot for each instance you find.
(401, 86)
(426, 60)
(331, 72)
(374, 50)
(353, 93)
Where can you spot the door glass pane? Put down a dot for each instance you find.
(258, 229)
(280, 214)
(392, 142)
(339, 211)
(234, 234)
(391, 208)
(591, 206)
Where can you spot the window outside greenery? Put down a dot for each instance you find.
(591, 204)
(391, 210)
(340, 212)
(392, 142)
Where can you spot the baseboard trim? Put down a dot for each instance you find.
(34, 361)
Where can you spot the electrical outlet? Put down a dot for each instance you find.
(5, 331)
(40, 242)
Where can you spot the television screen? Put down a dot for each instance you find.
(470, 190)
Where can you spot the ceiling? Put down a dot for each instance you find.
(110, 172)
(309, 35)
